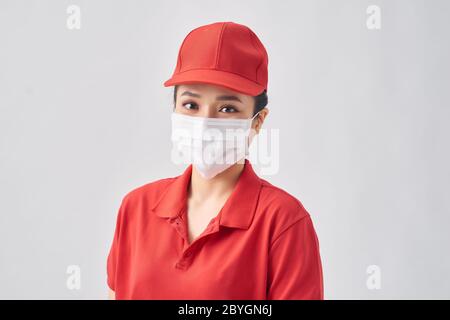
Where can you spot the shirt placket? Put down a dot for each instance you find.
(189, 250)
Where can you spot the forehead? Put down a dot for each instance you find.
(205, 89)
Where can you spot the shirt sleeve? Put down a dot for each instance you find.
(113, 255)
(295, 268)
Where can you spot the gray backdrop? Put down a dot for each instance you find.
(363, 117)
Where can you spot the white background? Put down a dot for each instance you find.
(363, 118)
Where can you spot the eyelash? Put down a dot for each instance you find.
(224, 106)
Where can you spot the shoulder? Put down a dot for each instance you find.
(280, 209)
(149, 190)
(147, 193)
(280, 202)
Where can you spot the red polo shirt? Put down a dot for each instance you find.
(261, 245)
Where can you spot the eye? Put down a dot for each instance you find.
(190, 105)
(228, 109)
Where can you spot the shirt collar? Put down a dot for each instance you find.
(238, 210)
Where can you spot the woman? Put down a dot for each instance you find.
(217, 231)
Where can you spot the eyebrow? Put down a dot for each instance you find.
(191, 94)
(219, 98)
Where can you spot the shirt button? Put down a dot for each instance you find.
(179, 265)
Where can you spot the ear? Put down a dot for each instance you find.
(259, 120)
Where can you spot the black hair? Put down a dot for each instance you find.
(261, 100)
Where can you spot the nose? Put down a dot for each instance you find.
(207, 111)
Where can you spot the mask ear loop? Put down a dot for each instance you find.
(247, 145)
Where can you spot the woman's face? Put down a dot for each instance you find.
(211, 101)
(205, 100)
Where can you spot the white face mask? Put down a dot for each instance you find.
(211, 144)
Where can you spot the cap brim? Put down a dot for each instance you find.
(222, 78)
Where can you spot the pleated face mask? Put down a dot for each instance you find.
(211, 144)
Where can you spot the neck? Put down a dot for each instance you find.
(217, 187)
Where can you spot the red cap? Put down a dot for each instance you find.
(222, 53)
